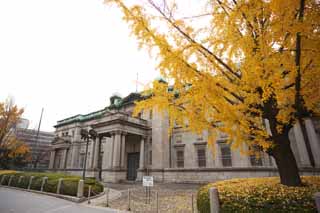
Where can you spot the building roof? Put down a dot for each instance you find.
(118, 103)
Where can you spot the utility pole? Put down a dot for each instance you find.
(37, 156)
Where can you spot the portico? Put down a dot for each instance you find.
(123, 155)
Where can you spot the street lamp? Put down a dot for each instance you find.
(86, 136)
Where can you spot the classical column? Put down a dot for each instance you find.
(75, 149)
(314, 141)
(123, 149)
(116, 150)
(74, 155)
(64, 159)
(52, 157)
(96, 152)
(112, 145)
(141, 162)
(301, 144)
(92, 152)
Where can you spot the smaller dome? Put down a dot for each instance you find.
(116, 94)
(115, 99)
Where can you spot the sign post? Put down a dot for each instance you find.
(147, 182)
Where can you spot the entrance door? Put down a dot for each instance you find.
(133, 165)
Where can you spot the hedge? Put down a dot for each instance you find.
(69, 184)
(261, 195)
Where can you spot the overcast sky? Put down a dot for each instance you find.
(68, 56)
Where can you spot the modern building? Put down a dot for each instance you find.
(129, 147)
(40, 145)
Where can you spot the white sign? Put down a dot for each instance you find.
(147, 181)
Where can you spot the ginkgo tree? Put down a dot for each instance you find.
(248, 68)
(12, 151)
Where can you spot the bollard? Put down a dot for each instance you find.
(317, 200)
(129, 200)
(44, 180)
(59, 185)
(214, 200)
(157, 201)
(80, 188)
(192, 208)
(107, 197)
(2, 179)
(20, 178)
(30, 182)
(89, 194)
(10, 179)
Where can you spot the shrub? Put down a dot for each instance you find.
(5, 181)
(69, 184)
(261, 195)
(96, 187)
(51, 186)
(24, 183)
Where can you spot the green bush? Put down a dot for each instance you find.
(261, 195)
(24, 183)
(14, 181)
(5, 180)
(51, 185)
(36, 183)
(69, 184)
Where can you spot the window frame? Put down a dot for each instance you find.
(180, 162)
(226, 160)
(202, 162)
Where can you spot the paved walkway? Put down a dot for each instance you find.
(172, 197)
(16, 201)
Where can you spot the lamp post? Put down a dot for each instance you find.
(86, 135)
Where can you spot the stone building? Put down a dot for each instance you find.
(39, 145)
(129, 147)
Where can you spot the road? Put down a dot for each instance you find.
(16, 201)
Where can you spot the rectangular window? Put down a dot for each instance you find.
(180, 158)
(226, 157)
(150, 114)
(201, 157)
(255, 161)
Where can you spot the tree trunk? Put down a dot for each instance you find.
(286, 162)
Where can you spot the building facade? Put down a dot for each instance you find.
(39, 144)
(129, 147)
